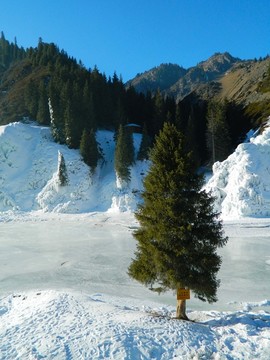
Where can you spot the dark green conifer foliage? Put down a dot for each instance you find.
(43, 115)
(89, 149)
(218, 138)
(88, 108)
(31, 99)
(9, 52)
(72, 130)
(192, 138)
(159, 113)
(124, 153)
(56, 126)
(145, 145)
(179, 118)
(62, 170)
(179, 231)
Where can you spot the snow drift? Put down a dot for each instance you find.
(28, 177)
(241, 183)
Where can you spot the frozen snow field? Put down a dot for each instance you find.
(65, 294)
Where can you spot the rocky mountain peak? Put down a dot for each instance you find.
(176, 81)
(219, 62)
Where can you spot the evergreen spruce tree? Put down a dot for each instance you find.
(124, 153)
(88, 108)
(89, 149)
(179, 232)
(43, 114)
(191, 137)
(56, 112)
(62, 170)
(56, 129)
(71, 129)
(31, 99)
(145, 145)
(159, 114)
(218, 138)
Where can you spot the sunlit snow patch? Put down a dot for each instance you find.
(28, 174)
(241, 183)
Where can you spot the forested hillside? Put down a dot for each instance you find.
(221, 77)
(44, 83)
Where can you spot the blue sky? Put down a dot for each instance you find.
(131, 36)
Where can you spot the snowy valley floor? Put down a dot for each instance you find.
(65, 294)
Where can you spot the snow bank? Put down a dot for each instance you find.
(241, 183)
(50, 324)
(28, 175)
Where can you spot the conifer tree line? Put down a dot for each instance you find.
(57, 90)
(9, 52)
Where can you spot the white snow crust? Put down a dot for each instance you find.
(61, 325)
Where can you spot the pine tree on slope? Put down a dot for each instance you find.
(179, 232)
(145, 145)
(62, 170)
(89, 149)
(124, 153)
(218, 138)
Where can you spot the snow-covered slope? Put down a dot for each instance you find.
(57, 325)
(241, 183)
(29, 182)
(28, 174)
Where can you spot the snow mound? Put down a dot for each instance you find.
(70, 325)
(241, 183)
(29, 181)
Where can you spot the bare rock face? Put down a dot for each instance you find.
(179, 82)
(161, 77)
(205, 72)
(221, 76)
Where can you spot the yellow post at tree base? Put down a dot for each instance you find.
(183, 294)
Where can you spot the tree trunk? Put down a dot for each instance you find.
(181, 310)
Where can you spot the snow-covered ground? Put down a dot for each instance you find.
(64, 254)
(65, 294)
(28, 174)
(241, 183)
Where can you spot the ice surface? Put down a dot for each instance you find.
(91, 253)
(65, 294)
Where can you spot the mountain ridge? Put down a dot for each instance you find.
(221, 76)
(204, 71)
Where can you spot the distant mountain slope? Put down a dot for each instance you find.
(179, 82)
(241, 83)
(161, 77)
(204, 73)
(222, 76)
